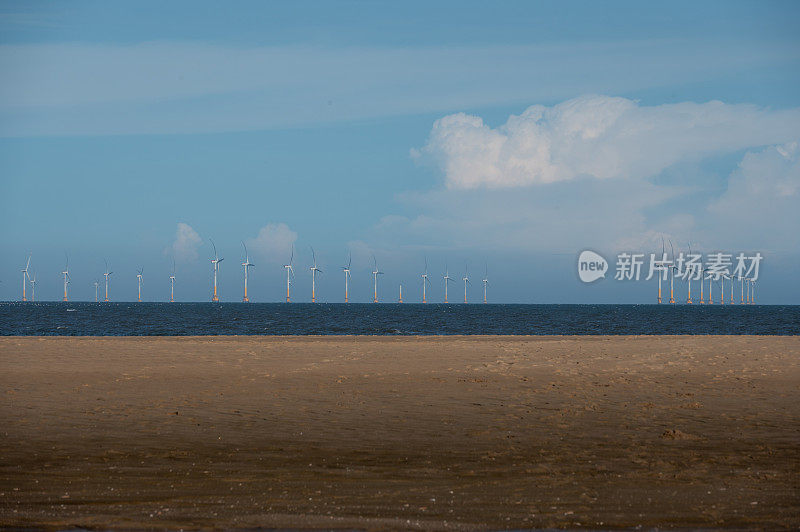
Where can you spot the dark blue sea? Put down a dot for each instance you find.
(161, 319)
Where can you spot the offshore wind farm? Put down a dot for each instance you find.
(402, 266)
(664, 268)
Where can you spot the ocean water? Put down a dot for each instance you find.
(159, 319)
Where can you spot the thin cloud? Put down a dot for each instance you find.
(273, 242)
(186, 244)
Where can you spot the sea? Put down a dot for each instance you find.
(191, 319)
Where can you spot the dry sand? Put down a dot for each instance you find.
(377, 432)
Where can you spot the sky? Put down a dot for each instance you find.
(494, 139)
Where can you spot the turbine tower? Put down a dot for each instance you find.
(485, 282)
(424, 282)
(741, 279)
(65, 273)
(447, 279)
(172, 283)
(401, 294)
(96, 285)
(753, 295)
(25, 278)
(215, 261)
(672, 268)
(710, 286)
(314, 271)
(375, 274)
(689, 277)
(702, 282)
(289, 271)
(660, 267)
(466, 282)
(722, 289)
(346, 270)
(33, 286)
(107, 275)
(246, 265)
(139, 281)
(732, 279)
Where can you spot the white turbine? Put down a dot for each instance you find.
(139, 281)
(314, 271)
(289, 271)
(485, 282)
(425, 281)
(33, 285)
(65, 273)
(96, 285)
(659, 266)
(172, 283)
(346, 270)
(672, 269)
(106, 275)
(689, 277)
(466, 281)
(375, 274)
(246, 265)
(25, 278)
(215, 261)
(447, 279)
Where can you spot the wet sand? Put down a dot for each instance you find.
(400, 433)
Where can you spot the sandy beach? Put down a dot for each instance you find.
(400, 433)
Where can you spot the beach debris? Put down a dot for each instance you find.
(675, 434)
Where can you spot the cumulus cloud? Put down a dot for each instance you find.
(596, 136)
(273, 242)
(760, 204)
(186, 243)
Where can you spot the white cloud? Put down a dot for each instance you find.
(760, 205)
(596, 136)
(273, 242)
(186, 243)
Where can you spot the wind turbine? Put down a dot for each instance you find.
(689, 277)
(425, 281)
(246, 264)
(466, 281)
(710, 286)
(346, 270)
(25, 278)
(172, 283)
(375, 274)
(33, 285)
(289, 271)
(741, 279)
(215, 261)
(485, 282)
(401, 294)
(96, 284)
(660, 267)
(672, 269)
(447, 279)
(722, 289)
(732, 279)
(702, 282)
(139, 281)
(65, 273)
(107, 275)
(314, 271)
(753, 295)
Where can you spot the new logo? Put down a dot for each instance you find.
(591, 266)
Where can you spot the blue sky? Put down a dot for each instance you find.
(512, 135)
